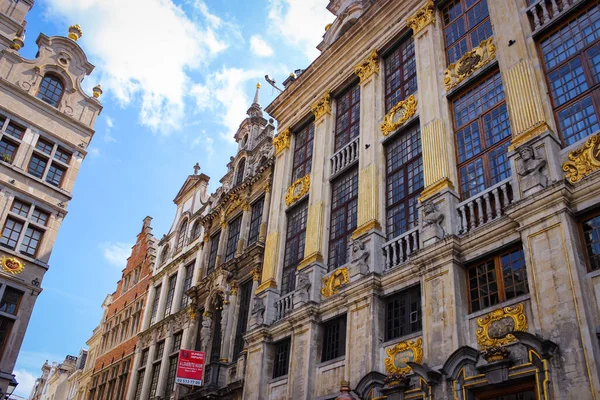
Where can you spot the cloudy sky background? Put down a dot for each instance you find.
(178, 77)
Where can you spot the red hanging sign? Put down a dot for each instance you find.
(190, 368)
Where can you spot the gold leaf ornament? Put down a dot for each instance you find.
(495, 326)
(11, 265)
(298, 189)
(399, 114)
(402, 353)
(333, 282)
(584, 160)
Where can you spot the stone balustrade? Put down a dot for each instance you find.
(344, 157)
(399, 249)
(284, 305)
(485, 206)
(542, 12)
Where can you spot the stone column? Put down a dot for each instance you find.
(439, 161)
(164, 366)
(229, 332)
(198, 263)
(148, 374)
(529, 108)
(305, 358)
(148, 307)
(137, 359)
(262, 234)
(162, 300)
(222, 243)
(371, 163)
(244, 229)
(178, 294)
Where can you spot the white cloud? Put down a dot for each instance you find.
(26, 381)
(260, 47)
(108, 137)
(116, 253)
(93, 151)
(138, 58)
(301, 22)
(205, 142)
(226, 94)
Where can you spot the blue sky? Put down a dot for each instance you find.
(178, 77)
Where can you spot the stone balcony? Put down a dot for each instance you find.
(542, 13)
(345, 157)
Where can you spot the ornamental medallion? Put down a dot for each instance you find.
(401, 354)
(495, 327)
(11, 265)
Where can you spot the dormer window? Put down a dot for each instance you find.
(239, 177)
(51, 90)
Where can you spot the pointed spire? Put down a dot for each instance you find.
(256, 95)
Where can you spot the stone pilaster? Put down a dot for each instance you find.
(222, 243)
(148, 307)
(162, 300)
(229, 332)
(137, 359)
(148, 374)
(178, 294)
(244, 229)
(262, 233)
(164, 366)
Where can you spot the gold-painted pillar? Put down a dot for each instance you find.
(315, 225)
(439, 162)
(369, 161)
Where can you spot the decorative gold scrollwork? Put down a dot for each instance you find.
(470, 62)
(495, 327)
(282, 141)
(368, 66)
(322, 107)
(297, 190)
(399, 114)
(11, 265)
(399, 355)
(583, 161)
(422, 18)
(333, 282)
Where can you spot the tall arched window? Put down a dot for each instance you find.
(181, 234)
(51, 90)
(164, 255)
(240, 171)
(196, 229)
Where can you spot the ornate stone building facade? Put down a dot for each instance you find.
(54, 382)
(434, 227)
(122, 321)
(46, 124)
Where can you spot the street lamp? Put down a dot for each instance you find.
(11, 387)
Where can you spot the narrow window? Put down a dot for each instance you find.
(196, 228)
(164, 255)
(334, 339)
(344, 203)
(44, 146)
(571, 58)
(51, 90)
(255, 220)
(181, 234)
(31, 240)
(294, 245)
(281, 360)
(233, 235)
(404, 170)
(242, 323)
(498, 278)
(155, 304)
(170, 294)
(55, 175)
(403, 313)
(466, 25)
(212, 256)
(15, 130)
(239, 177)
(347, 119)
(11, 232)
(187, 283)
(400, 73)
(37, 166)
(482, 134)
(8, 149)
(303, 151)
(591, 234)
(11, 300)
(62, 155)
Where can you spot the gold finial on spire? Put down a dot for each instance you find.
(17, 43)
(97, 91)
(75, 32)
(258, 85)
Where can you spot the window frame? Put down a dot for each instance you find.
(213, 252)
(256, 214)
(338, 136)
(332, 258)
(584, 218)
(234, 228)
(402, 65)
(243, 313)
(406, 295)
(281, 367)
(593, 91)
(172, 282)
(181, 233)
(328, 354)
(303, 151)
(295, 239)
(27, 223)
(51, 161)
(47, 99)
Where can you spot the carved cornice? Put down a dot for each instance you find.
(333, 282)
(368, 66)
(584, 160)
(402, 353)
(495, 327)
(322, 107)
(422, 18)
(298, 189)
(282, 141)
(470, 62)
(398, 115)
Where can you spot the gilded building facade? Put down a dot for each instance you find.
(46, 124)
(434, 227)
(121, 322)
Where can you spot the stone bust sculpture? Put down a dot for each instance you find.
(530, 170)
(432, 223)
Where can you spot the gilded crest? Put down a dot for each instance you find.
(297, 190)
(368, 66)
(401, 354)
(470, 62)
(282, 141)
(11, 265)
(583, 161)
(495, 327)
(333, 282)
(399, 114)
(322, 107)
(422, 18)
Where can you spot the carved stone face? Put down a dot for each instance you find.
(428, 208)
(526, 153)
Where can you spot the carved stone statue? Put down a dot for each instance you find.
(432, 224)
(302, 293)
(258, 311)
(359, 256)
(205, 332)
(532, 179)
